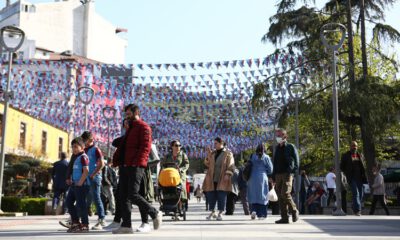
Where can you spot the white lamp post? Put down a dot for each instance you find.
(109, 114)
(11, 39)
(296, 92)
(334, 47)
(85, 95)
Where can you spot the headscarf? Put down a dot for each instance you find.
(260, 150)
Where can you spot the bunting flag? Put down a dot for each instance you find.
(192, 102)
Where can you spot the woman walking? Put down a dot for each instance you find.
(257, 186)
(218, 182)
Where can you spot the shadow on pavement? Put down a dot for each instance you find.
(357, 227)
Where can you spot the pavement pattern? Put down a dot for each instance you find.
(196, 227)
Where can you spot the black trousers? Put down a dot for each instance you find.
(331, 195)
(230, 203)
(129, 193)
(381, 199)
(344, 200)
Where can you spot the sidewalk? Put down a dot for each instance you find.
(196, 227)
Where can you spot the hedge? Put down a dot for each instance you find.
(34, 206)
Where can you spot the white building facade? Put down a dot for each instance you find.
(66, 26)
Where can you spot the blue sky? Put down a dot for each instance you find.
(168, 31)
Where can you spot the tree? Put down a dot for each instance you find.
(368, 102)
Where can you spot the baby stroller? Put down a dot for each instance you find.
(170, 193)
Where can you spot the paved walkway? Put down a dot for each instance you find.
(232, 227)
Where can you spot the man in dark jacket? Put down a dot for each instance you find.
(132, 157)
(286, 163)
(59, 176)
(352, 165)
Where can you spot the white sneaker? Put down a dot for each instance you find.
(122, 230)
(99, 225)
(157, 221)
(253, 215)
(219, 218)
(144, 228)
(212, 215)
(113, 225)
(261, 218)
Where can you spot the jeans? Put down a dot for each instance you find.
(129, 193)
(95, 191)
(357, 191)
(80, 210)
(56, 199)
(217, 196)
(108, 192)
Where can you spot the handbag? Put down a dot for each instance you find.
(272, 196)
(247, 171)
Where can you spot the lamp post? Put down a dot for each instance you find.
(335, 28)
(296, 92)
(85, 95)
(11, 39)
(274, 112)
(109, 114)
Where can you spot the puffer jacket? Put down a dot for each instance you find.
(135, 147)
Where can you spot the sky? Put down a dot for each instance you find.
(175, 31)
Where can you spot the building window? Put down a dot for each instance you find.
(22, 134)
(60, 146)
(44, 142)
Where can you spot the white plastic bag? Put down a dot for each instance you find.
(272, 196)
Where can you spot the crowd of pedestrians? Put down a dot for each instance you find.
(88, 178)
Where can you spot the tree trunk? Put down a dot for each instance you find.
(350, 45)
(368, 148)
(363, 41)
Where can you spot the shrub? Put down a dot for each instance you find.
(34, 206)
(11, 204)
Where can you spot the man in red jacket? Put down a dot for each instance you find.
(131, 157)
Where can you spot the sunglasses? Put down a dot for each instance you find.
(176, 145)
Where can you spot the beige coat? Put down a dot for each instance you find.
(227, 168)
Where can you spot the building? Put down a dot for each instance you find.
(29, 136)
(65, 26)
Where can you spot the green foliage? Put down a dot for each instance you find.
(11, 204)
(33, 206)
(365, 106)
(21, 168)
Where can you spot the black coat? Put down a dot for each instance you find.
(59, 174)
(346, 166)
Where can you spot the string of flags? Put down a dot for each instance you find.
(192, 102)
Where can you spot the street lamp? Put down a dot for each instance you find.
(274, 113)
(11, 39)
(334, 47)
(85, 95)
(109, 114)
(297, 91)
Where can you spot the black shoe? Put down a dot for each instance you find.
(282, 221)
(295, 216)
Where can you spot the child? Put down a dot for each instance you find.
(79, 188)
(95, 165)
